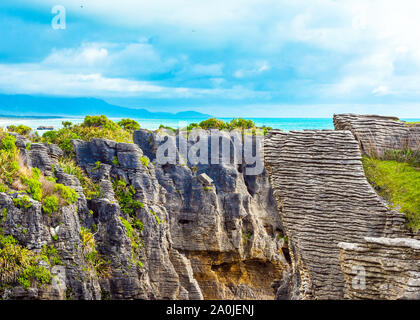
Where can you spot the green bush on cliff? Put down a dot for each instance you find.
(399, 183)
(34, 273)
(92, 127)
(50, 204)
(92, 258)
(33, 184)
(20, 265)
(22, 202)
(134, 239)
(67, 193)
(214, 123)
(124, 193)
(144, 161)
(235, 123)
(20, 129)
(129, 125)
(69, 166)
(9, 156)
(50, 255)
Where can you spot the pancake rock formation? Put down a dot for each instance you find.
(324, 200)
(377, 134)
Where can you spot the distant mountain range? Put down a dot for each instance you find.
(42, 107)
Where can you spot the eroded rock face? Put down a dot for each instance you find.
(209, 231)
(323, 198)
(381, 268)
(216, 236)
(34, 229)
(377, 134)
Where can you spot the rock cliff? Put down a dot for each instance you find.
(310, 227)
(208, 231)
(381, 268)
(335, 222)
(377, 134)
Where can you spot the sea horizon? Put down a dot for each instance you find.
(285, 124)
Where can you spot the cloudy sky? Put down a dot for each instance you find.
(255, 58)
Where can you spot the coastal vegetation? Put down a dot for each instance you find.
(22, 266)
(396, 177)
(92, 259)
(14, 176)
(235, 123)
(92, 127)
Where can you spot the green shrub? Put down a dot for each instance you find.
(138, 225)
(13, 259)
(158, 220)
(66, 124)
(67, 193)
(22, 202)
(134, 239)
(99, 121)
(90, 189)
(92, 258)
(32, 273)
(8, 143)
(20, 129)
(214, 123)
(399, 183)
(50, 255)
(166, 127)
(144, 161)
(92, 127)
(4, 215)
(98, 165)
(124, 193)
(33, 184)
(50, 204)
(129, 125)
(115, 161)
(21, 264)
(9, 166)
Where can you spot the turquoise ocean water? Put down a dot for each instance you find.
(285, 124)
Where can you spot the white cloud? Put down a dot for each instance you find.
(250, 69)
(381, 90)
(31, 79)
(208, 70)
(85, 56)
(378, 41)
(114, 59)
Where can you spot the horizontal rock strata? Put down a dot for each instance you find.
(323, 198)
(381, 268)
(377, 134)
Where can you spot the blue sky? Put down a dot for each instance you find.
(250, 58)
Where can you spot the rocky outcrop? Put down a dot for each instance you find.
(214, 229)
(208, 232)
(377, 134)
(310, 227)
(323, 198)
(33, 229)
(381, 268)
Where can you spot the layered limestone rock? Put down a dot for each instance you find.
(381, 268)
(33, 229)
(377, 134)
(209, 231)
(323, 198)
